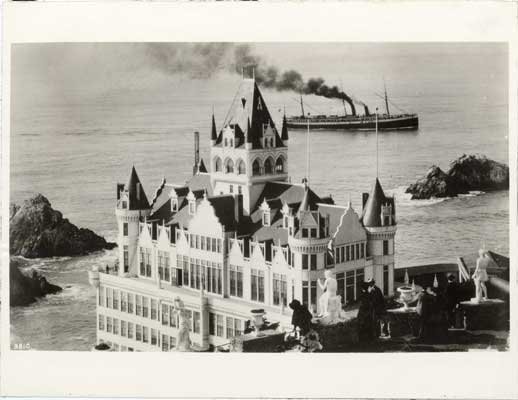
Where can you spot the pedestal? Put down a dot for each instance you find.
(490, 314)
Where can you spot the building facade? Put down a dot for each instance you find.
(235, 238)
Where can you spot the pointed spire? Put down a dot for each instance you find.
(214, 133)
(372, 209)
(284, 132)
(248, 132)
(304, 204)
(136, 194)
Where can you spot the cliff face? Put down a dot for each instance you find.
(37, 230)
(467, 173)
(24, 289)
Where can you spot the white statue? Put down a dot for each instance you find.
(330, 304)
(480, 276)
(183, 341)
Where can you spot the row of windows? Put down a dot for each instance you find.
(309, 261)
(196, 272)
(204, 243)
(349, 284)
(128, 302)
(350, 252)
(269, 167)
(145, 262)
(171, 318)
(234, 326)
(128, 330)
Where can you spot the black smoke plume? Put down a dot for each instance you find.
(203, 60)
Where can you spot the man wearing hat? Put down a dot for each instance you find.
(378, 301)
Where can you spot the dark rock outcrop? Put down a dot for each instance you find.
(467, 173)
(37, 230)
(23, 289)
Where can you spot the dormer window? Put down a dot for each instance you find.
(174, 204)
(266, 218)
(192, 203)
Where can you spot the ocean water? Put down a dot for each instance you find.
(78, 126)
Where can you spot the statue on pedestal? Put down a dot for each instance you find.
(480, 276)
(183, 341)
(330, 304)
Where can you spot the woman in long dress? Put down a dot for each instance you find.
(366, 316)
(480, 274)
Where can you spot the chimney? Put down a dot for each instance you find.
(196, 152)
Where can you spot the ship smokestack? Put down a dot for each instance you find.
(350, 101)
(367, 113)
(196, 152)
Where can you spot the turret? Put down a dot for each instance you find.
(132, 205)
(379, 219)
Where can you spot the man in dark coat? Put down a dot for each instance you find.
(427, 309)
(378, 301)
(452, 299)
(366, 316)
(301, 317)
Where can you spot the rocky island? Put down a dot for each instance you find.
(24, 289)
(37, 230)
(467, 173)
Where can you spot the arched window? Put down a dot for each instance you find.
(229, 166)
(231, 142)
(256, 168)
(241, 169)
(217, 164)
(268, 166)
(279, 165)
(271, 142)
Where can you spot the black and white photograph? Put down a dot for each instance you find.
(309, 197)
(208, 196)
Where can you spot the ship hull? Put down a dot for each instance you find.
(404, 122)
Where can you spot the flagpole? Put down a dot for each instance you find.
(307, 150)
(377, 143)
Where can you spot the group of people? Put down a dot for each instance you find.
(372, 315)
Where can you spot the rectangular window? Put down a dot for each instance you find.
(126, 258)
(337, 255)
(236, 281)
(148, 263)
(218, 243)
(185, 271)
(304, 261)
(357, 250)
(124, 301)
(230, 327)
(130, 303)
(101, 322)
(385, 247)
(165, 343)
(172, 342)
(353, 256)
(154, 309)
(219, 325)
(138, 332)
(123, 328)
(109, 297)
(115, 326)
(196, 322)
(115, 299)
(167, 268)
(145, 307)
(304, 232)
(347, 253)
(238, 327)
(165, 314)
(154, 337)
(214, 245)
(109, 324)
(313, 262)
(313, 232)
(125, 229)
(314, 293)
(145, 334)
(160, 265)
(257, 285)
(139, 305)
(231, 188)
(212, 324)
(280, 290)
(386, 280)
(130, 330)
(342, 253)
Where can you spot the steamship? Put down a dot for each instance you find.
(365, 122)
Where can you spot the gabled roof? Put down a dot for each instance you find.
(248, 113)
(371, 215)
(288, 193)
(137, 197)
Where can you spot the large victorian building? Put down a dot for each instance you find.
(236, 238)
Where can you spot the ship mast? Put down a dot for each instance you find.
(377, 143)
(386, 98)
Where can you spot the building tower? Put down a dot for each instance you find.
(248, 151)
(132, 205)
(379, 219)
